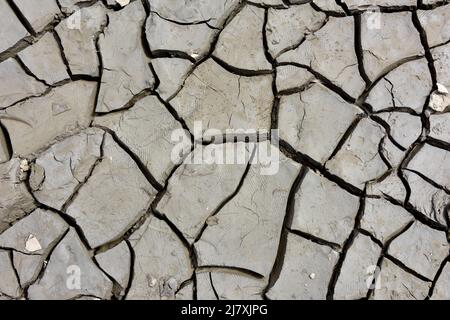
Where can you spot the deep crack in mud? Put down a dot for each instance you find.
(110, 112)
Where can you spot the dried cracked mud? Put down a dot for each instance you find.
(93, 204)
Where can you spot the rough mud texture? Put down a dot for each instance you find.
(115, 182)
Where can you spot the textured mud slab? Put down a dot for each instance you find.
(110, 112)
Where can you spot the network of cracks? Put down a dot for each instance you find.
(94, 206)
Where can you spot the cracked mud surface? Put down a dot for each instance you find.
(93, 205)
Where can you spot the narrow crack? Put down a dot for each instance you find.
(287, 221)
(405, 268)
(384, 250)
(303, 159)
(426, 47)
(327, 83)
(212, 287)
(16, 273)
(21, 17)
(327, 12)
(307, 162)
(227, 199)
(80, 185)
(347, 244)
(28, 71)
(143, 168)
(62, 54)
(359, 50)
(248, 272)
(238, 71)
(436, 277)
(132, 268)
(345, 137)
(47, 259)
(362, 98)
(315, 239)
(7, 137)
